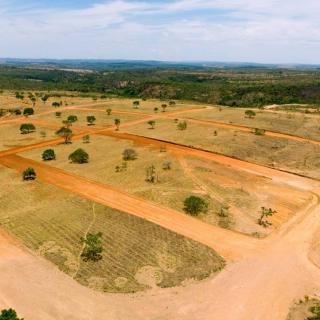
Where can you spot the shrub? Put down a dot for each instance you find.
(167, 165)
(155, 109)
(136, 104)
(58, 114)
(56, 104)
(182, 125)
(195, 205)
(28, 112)
(48, 155)
(172, 103)
(86, 139)
(79, 156)
(65, 133)
(29, 174)
(129, 154)
(91, 120)
(250, 114)
(72, 118)
(93, 247)
(259, 132)
(117, 123)
(109, 111)
(27, 128)
(152, 124)
(9, 314)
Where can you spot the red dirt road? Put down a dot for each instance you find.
(167, 218)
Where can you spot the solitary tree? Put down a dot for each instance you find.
(56, 104)
(182, 125)
(172, 103)
(129, 154)
(136, 104)
(155, 109)
(250, 114)
(27, 128)
(33, 100)
(93, 247)
(45, 98)
(164, 107)
(195, 205)
(117, 123)
(9, 314)
(72, 118)
(152, 124)
(65, 133)
(79, 156)
(28, 112)
(109, 111)
(29, 174)
(86, 139)
(58, 114)
(91, 120)
(265, 214)
(48, 155)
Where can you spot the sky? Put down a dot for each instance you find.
(266, 31)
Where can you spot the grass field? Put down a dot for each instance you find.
(137, 255)
(102, 118)
(218, 184)
(11, 136)
(278, 152)
(298, 124)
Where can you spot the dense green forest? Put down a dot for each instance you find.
(249, 86)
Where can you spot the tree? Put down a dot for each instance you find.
(259, 132)
(164, 107)
(194, 205)
(265, 214)
(29, 174)
(91, 120)
(86, 139)
(9, 314)
(45, 98)
(315, 310)
(136, 104)
(79, 156)
(152, 124)
(167, 165)
(155, 109)
(117, 123)
(182, 125)
(28, 112)
(151, 174)
(65, 133)
(93, 247)
(33, 100)
(72, 119)
(26, 128)
(56, 104)
(172, 103)
(129, 154)
(250, 114)
(48, 155)
(19, 96)
(58, 114)
(109, 111)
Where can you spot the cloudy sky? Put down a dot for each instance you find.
(275, 31)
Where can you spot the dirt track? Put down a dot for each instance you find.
(267, 276)
(167, 218)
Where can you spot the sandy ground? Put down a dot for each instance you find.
(260, 282)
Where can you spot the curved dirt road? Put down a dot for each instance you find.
(234, 246)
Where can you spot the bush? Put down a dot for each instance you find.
(48, 155)
(195, 205)
(250, 114)
(28, 112)
(72, 118)
(129, 154)
(93, 247)
(9, 314)
(182, 125)
(91, 120)
(29, 174)
(58, 114)
(27, 128)
(79, 156)
(259, 132)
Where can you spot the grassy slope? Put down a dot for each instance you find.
(51, 222)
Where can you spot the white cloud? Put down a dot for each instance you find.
(250, 30)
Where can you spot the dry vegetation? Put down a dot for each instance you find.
(137, 255)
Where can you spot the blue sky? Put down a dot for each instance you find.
(276, 31)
